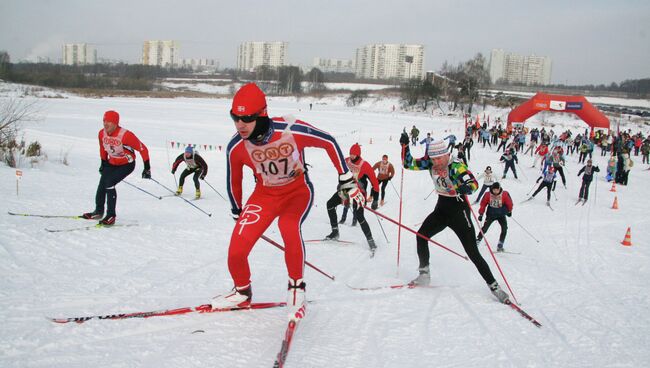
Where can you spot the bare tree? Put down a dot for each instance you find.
(13, 113)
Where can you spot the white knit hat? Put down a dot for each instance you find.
(437, 149)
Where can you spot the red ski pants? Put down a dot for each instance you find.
(291, 207)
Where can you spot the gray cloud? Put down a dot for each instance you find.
(589, 41)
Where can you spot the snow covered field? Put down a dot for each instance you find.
(590, 293)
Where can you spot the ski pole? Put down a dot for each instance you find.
(522, 226)
(169, 163)
(382, 229)
(188, 202)
(401, 188)
(531, 189)
(216, 191)
(396, 192)
(414, 232)
(425, 198)
(521, 170)
(596, 190)
(490, 249)
(140, 189)
(275, 244)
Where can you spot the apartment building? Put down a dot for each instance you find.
(253, 54)
(334, 65)
(514, 68)
(389, 61)
(79, 54)
(161, 53)
(200, 64)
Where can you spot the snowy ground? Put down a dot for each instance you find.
(590, 293)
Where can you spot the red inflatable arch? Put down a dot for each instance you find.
(574, 104)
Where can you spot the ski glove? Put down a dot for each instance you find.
(509, 214)
(349, 188)
(146, 173)
(235, 212)
(464, 189)
(374, 205)
(102, 166)
(202, 177)
(404, 139)
(480, 218)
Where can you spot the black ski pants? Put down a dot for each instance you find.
(584, 188)
(502, 222)
(111, 175)
(453, 212)
(548, 187)
(336, 200)
(186, 173)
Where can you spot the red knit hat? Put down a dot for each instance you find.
(112, 117)
(249, 100)
(355, 149)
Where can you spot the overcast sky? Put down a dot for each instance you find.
(588, 41)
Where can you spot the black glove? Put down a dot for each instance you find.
(509, 214)
(404, 139)
(235, 212)
(538, 179)
(464, 189)
(102, 166)
(480, 218)
(173, 172)
(146, 173)
(202, 177)
(374, 205)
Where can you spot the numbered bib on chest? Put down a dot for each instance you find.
(355, 169)
(383, 168)
(443, 184)
(113, 145)
(277, 162)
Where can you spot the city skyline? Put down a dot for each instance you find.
(589, 42)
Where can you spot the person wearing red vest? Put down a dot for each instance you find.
(117, 148)
(386, 171)
(362, 172)
(273, 149)
(499, 205)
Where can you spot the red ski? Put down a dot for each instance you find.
(286, 344)
(204, 308)
(524, 314)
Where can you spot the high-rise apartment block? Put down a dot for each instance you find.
(514, 68)
(200, 64)
(334, 65)
(389, 61)
(79, 54)
(160, 53)
(254, 54)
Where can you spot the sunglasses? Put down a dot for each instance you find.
(246, 118)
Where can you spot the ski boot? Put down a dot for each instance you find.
(107, 221)
(423, 279)
(198, 194)
(239, 297)
(373, 247)
(354, 221)
(95, 215)
(179, 191)
(498, 293)
(296, 306)
(334, 235)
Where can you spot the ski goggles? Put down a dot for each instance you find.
(246, 118)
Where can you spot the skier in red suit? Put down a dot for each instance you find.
(117, 148)
(273, 149)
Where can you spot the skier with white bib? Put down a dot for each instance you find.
(273, 149)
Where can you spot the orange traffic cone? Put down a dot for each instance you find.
(627, 241)
(613, 187)
(615, 204)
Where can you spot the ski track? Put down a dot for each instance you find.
(587, 290)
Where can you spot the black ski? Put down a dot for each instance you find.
(44, 216)
(96, 226)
